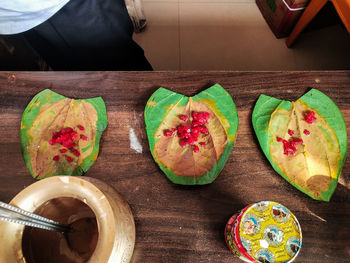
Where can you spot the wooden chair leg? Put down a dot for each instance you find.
(343, 10)
(310, 12)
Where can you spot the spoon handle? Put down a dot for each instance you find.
(13, 214)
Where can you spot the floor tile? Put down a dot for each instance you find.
(327, 48)
(216, 1)
(160, 1)
(161, 37)
(190, 35)
(229, 36)
(201, 1)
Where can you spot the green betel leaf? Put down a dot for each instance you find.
(305, 141)
(61, 136)
(200, 163)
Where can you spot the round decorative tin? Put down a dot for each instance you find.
(265, 232)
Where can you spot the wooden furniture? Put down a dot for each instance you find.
(341, 6)
(177, 223)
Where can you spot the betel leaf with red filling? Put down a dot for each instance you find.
(61, 136)
(305, 141)
(191, 137)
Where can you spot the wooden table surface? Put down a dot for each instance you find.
(177, 223)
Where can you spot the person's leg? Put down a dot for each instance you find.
(89, 35)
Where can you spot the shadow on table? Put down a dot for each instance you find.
(327, 234)
(216, 206)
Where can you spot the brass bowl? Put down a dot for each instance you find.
(115, 222)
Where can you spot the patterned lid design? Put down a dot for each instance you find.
(272, 232)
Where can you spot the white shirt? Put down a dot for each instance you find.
(17, 16)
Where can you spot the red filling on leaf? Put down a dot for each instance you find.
(168, 133)
(75, 152)
(68, 138)
(195, 148)
(183, 143)
(295, 141)
(306, 132)
(289, 147)
(310, 117)
(188, 135)
(184, 117)
(291, 132)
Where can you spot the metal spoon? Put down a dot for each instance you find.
(17, 215)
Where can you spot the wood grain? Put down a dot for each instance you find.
(182, 223)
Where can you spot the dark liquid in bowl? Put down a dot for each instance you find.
(77, 246)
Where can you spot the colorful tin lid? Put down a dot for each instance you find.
(269, 233)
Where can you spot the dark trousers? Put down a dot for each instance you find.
(89, 35)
